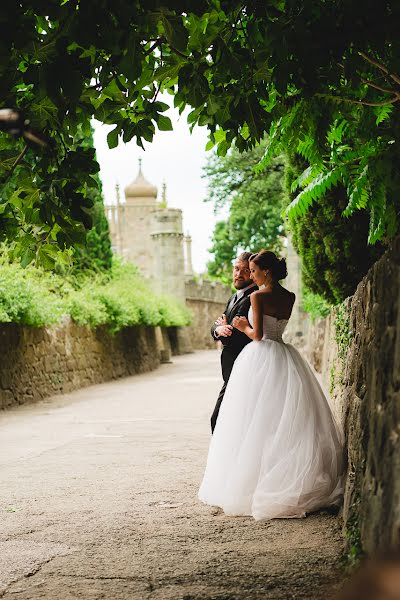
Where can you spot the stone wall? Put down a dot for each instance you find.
(204, 315)
(36, 363)
(357, 351)
(207, 301)
(39, 362)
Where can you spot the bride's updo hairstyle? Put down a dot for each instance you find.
(267, 260)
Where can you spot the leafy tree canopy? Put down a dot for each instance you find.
(245, 68)
(255, 203)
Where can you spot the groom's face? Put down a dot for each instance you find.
(241, 274)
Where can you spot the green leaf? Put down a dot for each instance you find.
(175, 32)
(167, 72)
(303, 179)
(54, 231)
(45, 113)
(337, 131)
(28, 256)
(210, 144)
(314, 190)
(112, 137)
(252, 120)
(164, 123)
(219, 135)
(161, 106)
(358, 190)
(113, 92)
(194, 115)
(24, 197)
(383, 112)
(46, 258)
(131, 63)
(223, 148)
(213, 104)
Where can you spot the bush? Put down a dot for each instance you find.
(119, 298)
(334, 250)
(314, 305)
(26, 298)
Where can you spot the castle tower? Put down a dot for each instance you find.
(135, 217)
(167, 250)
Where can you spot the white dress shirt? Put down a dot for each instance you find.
(240, 293)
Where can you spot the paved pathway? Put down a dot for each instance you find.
(98, 500)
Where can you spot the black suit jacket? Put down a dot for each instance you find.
(235, 343)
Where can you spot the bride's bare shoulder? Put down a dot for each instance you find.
(257, 296)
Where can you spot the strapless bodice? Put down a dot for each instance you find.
(273, 328)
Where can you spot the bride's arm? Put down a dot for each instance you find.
(241, 323)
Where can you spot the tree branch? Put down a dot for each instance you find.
(178, 52)
(17, 161)
(395, 98)
(377, 87)
(378, 65)
(154, 46)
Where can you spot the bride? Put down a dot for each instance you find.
(276, 449)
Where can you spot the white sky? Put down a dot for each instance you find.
(174, 156)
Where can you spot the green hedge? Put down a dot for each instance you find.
(117, 299)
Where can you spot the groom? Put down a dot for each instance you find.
(232, 339)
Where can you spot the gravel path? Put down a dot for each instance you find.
(98, 500)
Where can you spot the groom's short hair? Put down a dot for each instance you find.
(244, 256)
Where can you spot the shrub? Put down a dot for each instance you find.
(314, 305)
(118, 298)
(26, 298)
(334, 250)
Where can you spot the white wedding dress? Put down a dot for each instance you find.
(276, 450)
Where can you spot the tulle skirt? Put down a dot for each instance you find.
(276, 449)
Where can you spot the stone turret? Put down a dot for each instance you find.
(167, 240)
(188, 255)
(140, 202)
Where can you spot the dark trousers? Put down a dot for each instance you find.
(215, 414)
(227, 361)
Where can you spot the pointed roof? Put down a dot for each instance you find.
(140, 187)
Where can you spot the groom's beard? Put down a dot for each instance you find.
(240, 285)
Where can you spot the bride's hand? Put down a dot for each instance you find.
(240, 323)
